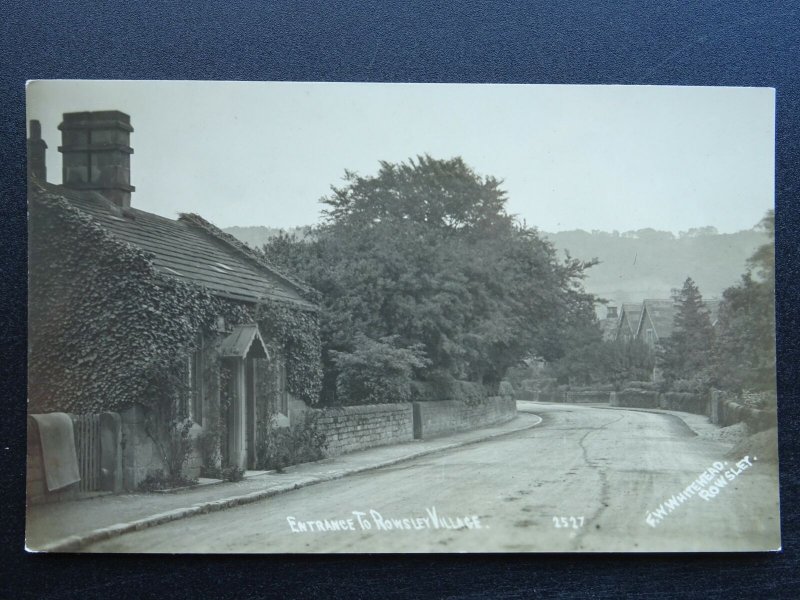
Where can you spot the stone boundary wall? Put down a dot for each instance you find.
(547, 396)
(439, 418)
(681, 401)
(724, 412)
(352, 428)
(586, 396)
(684, 401)
(632, 398)
(564, 394)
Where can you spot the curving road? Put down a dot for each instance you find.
(586, 479)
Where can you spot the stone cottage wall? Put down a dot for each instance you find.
(438, 418)
(352, 428)
(140, 456)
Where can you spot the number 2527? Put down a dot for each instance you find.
(568, 522)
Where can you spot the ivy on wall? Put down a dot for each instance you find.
(296, 333)
(106, 329)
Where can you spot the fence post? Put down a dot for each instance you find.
(714, 416)
(416, 416)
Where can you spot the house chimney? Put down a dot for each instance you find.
(611, 312)
(37, 165)
(96, 154)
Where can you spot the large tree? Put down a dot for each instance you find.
(745, 349)
(687, 353)
(425, 255)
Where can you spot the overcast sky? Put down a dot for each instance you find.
(571, 157)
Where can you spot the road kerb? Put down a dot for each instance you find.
(74, 543)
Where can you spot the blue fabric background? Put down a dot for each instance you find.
(600, 42)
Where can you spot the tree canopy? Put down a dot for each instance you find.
(424, 254)
(745, 353)
(687, 352)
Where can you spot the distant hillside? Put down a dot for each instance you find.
(649, 263)
(257, 236)
(635, 264)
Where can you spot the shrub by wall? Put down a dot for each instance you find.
(445, 388)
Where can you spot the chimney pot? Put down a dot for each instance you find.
(37, 164)
(96, 154)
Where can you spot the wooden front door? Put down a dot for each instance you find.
(241, 418)
(250, 412)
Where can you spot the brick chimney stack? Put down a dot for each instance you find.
(97, 154)
(37, 165)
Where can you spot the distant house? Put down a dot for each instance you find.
(657, 319)
(96, 349)
(628, 322)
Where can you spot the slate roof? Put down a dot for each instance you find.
(660, 314)
(629, 315)
(189, 249)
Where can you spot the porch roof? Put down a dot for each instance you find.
(243, 342)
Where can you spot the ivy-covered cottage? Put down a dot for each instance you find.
(190, 337)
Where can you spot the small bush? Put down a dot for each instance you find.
(232, 473)
(229, 473)
(208, 446)
(157, 481)
(280, 447)
(173, 441)
(377, 371)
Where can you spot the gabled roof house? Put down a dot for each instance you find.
(187, 252)
(657, 319)
(628, 322)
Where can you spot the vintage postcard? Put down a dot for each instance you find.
(400, 318)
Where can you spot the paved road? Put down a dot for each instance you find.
(602, 470)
